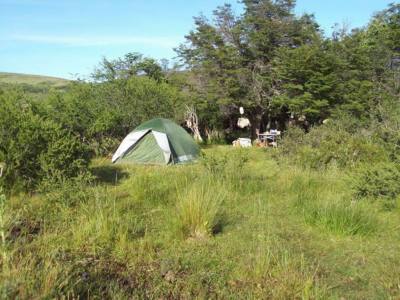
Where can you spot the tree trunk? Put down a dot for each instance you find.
(255, 124)
(192, 122)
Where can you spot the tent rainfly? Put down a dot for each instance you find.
(158, 141)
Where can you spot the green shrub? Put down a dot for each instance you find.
(386, 122)
(214, 163)
(67, 191)
(330, 144)
(85, 111)
(293, 139)
(225, 165)
(6, 284)
(378, 181)
(101, 114)
(34, 149)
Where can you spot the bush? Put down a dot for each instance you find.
(86, 111)
(101, 114)
(34, 149)
(386, 124)
(378, 181)
(331, 144)
(225, 165)
(67, 191)
(293, 139)
(214, 163)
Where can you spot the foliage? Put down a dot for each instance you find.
(131, 65)
(101, 114)
(226, 165)
(277, 65)
(281, 68)
(3, 229)
(380, 180)
(385, 120)
(67, 191)
(233, 56)
(331, 144)
(289, 223)
(34, 149)
(4, 246)
(214, 163)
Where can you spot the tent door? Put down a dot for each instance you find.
(146, 151)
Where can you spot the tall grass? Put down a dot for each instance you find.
(3, 245)
(199, 209)
(291, 276)
(5, 280)
(341, 218)
(330, 211)
(256, 230)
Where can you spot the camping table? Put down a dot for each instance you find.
(264, 137)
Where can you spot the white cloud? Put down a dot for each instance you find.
(82, 41)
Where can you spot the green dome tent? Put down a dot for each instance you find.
(158, 141)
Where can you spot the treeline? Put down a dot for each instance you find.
(280, 67)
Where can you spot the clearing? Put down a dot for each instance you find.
(239, 224)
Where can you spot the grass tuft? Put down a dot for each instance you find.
(199, 210)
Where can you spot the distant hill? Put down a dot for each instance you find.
(35, 85)
(34, 80)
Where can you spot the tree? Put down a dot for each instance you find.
(233, 57)
(132, 64)
(321, 77)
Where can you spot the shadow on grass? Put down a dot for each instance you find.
(224, 220)
(110, 174)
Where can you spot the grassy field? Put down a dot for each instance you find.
(36, 86)
(17, 78)
(238, 224)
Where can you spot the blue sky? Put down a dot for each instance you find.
(68, 37)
